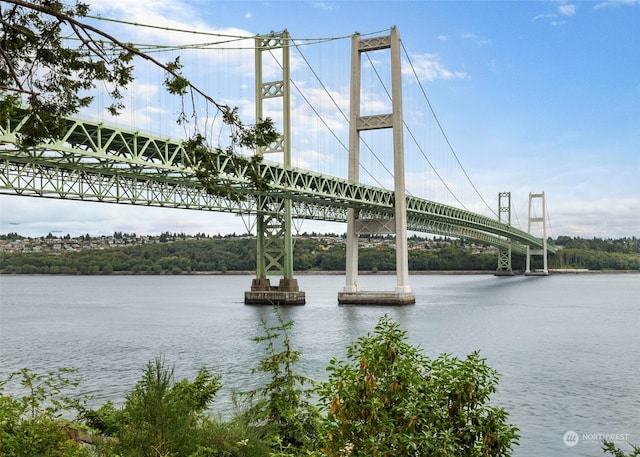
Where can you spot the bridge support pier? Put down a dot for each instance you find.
(398, 225)
(285, 293)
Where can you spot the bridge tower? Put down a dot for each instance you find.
(273, 220)
(542, 219)
(398, 225)
(504, 254)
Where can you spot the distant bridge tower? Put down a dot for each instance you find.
(398, 225)
(273, 220)
(504, 254)
(538, 219)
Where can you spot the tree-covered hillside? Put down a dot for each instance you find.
(177, 254)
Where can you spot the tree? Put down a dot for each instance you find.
(50, 60)
(393, 400)
(160, 414)
(42, 70)
(282, 405)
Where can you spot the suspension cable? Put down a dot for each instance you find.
(375, 70)
(416, 141)
(326, 90)
(149, 48)
(232, 38)
(424, 94)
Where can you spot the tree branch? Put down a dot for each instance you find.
(70, 20)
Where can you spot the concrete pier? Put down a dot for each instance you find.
(505, 272)
(376, 298)
(537, 273)
(285, 293)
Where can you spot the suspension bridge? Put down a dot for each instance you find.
(96, 162)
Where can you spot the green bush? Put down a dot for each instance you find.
(392, 400)
(610, 448)
(162, 415)
(32, 421)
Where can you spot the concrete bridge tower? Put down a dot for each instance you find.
(355, 225)
(537, 219)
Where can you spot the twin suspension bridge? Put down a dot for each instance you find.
(101, 163)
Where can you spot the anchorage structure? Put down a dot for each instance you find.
(542, 219)
(359, 226)
(504, 253)
(273, 219)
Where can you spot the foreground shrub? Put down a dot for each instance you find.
(33, 422)
(610, 448)
(392, 400)
(281, 408)
(160, 416)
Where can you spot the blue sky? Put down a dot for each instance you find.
(533, 96)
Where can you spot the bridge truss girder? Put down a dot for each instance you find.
(55, 181)
(94, 162)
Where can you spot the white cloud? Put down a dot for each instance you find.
(481, 41)
(616, 3)
(327, 6)
(556, 18)
(429, 68)
(545, 16)
(567, 10)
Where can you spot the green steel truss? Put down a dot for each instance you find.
(273, 223)
(95, 162)
(504, 215)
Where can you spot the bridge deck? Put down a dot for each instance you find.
(100, 163)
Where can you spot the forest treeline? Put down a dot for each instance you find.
(178, 254)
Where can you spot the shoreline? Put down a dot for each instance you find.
(554, 271)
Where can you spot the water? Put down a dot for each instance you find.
(567, 346)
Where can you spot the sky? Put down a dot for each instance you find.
(533, 96)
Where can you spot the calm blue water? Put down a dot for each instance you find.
(567, 346)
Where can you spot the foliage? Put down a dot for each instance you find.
(625, 245)
(32, 422)
(161, 415)
(234, 438)
(282, 405)
(610, 448)
(393, 400)
(388, 400)
(214, 166)
(51, 60)
(106, 420)
(595, 260)
(41, 70)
